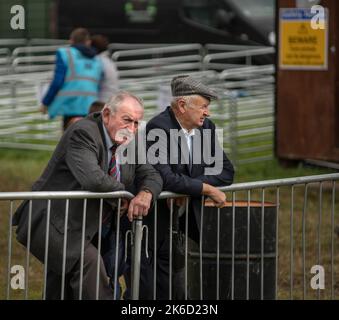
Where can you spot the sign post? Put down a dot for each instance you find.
(303, 41)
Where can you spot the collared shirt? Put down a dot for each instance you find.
(188, 136)
(109, 145)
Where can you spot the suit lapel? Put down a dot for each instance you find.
(195, 171)
(97, 117)
(176, 125)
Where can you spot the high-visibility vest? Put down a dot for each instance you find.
(81, 85)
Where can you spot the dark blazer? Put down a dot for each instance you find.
(79, 162)
(179, 178)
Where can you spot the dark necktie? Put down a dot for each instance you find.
(113, 172)
(112, 168)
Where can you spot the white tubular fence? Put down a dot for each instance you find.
(273, 239)
(245, 109)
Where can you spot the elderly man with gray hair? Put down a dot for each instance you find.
(85, 159)
(188, 172)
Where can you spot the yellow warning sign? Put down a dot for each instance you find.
(303, 43)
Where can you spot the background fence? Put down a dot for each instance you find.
(240, 75)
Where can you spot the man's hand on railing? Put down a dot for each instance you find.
(217, 196)
(139, 205)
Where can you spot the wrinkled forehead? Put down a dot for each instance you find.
(130, 107)
(200, 100)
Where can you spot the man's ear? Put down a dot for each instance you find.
(106, 113)
(181, 105)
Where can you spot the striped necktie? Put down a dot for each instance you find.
(113, 169)
(113, 172)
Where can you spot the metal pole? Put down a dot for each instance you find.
(218, 253)
(262, 242)
(277, 244)
(115, 280)
(9, 250)
(82, 249)
(186, 250)
(46, 247)
(248, 245)
(332, 241)
(200, 245)
(155, 251)
(136, 257)
(291, 242)
(319, 229)
(233, 244)
(63, 275)
(99, 250)
(170, 253)
(28, 248)
(304, 241)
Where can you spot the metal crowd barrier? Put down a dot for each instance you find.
(291, 221)
(245, 109)
(262, 275)
(50, 196)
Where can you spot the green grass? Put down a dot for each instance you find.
(267, 170)
(19, 169)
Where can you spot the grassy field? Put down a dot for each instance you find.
(19, 169)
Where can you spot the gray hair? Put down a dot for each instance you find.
(115, 101)
(187, 99)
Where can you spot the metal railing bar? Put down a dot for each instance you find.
(9, 262)
(262, 243)
(63, 274)
(233, 244)
(34, 195)
(304, 240)
(248, 245)
(155, 251)
(186, 249)
(200, 246)
(99, 250)
(218, 255)
(291, 242)
(332, 240)
(46, 248)
(28, 247)
(82, 249)
(319, 229)
(117, 244)
(277, 242)
(170, 251)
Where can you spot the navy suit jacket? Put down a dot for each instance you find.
(179, 178)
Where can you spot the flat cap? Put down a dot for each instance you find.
(186, 86)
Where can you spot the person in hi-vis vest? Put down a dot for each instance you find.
(75, 84)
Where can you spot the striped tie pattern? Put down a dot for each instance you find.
(113, 170)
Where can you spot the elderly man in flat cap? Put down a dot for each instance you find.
(188, 115)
